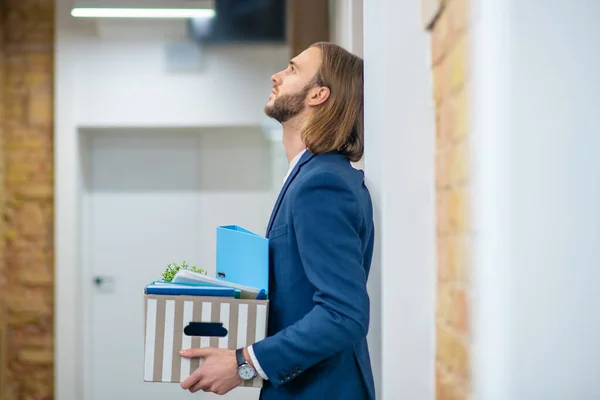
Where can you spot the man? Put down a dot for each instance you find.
(321, 243)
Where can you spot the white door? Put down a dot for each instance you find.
(148, 202)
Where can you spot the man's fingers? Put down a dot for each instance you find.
(189, 382)
(196, 377)
(197, 353)
(192, 380)
(201, 385)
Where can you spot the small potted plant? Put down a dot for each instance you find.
(173, 268)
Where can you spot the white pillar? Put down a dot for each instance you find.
(347, 25)
(399, 165)
(69, 336)
(347, 31)
(536, 132)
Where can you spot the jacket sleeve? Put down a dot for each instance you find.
(326, 219)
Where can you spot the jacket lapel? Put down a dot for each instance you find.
(306, 157)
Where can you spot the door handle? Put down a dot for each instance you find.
(105, 283)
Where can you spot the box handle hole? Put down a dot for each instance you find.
(206, 329)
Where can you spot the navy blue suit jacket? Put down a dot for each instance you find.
(321, 244)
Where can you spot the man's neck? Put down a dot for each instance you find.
(292, 140)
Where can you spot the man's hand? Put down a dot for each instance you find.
(218, 374)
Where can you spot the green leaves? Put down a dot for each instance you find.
(172, 269)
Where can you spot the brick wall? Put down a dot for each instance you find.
(449, 46)
(27, 148)
(3, 346)
(2, 159)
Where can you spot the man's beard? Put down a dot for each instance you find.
(287, 106)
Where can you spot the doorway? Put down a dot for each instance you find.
(151, 198)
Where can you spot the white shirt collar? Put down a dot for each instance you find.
(293, 164)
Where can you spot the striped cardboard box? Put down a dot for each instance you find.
(167, 316)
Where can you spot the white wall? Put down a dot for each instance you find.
(106, 82)
(537, 203)
(129, 83)
(399, 148)
(227, 191)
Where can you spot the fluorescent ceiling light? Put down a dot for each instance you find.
(85, 12)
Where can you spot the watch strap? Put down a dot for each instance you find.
(239, 356)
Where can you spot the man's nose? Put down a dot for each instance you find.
(276, 78)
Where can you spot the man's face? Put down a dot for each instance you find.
(291, 87)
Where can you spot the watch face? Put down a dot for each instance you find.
(246, 372)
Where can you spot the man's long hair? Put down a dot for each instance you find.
(337, 125)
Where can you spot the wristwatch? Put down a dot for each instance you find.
(245, 370)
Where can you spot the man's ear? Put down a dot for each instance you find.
(318, 96)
